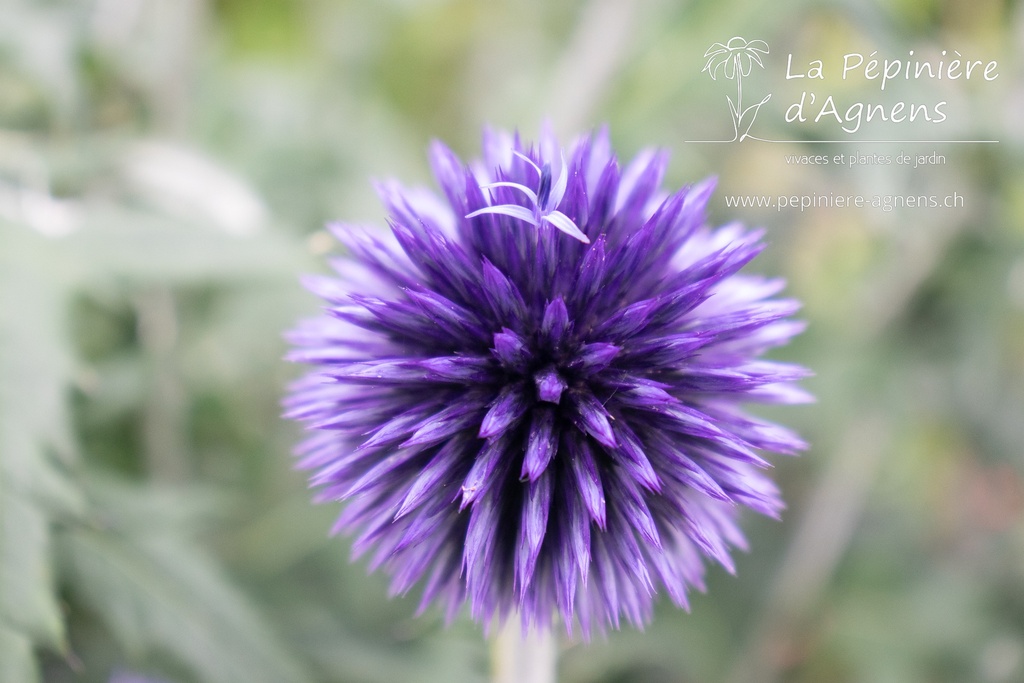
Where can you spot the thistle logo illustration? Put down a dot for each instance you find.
(735, 60)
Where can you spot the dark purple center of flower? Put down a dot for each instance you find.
(552, 358)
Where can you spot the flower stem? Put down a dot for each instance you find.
(518, 659)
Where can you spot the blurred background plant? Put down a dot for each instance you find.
(165, 170)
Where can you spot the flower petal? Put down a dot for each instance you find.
(507, 409)
(550, 385)
(511, 350)
(565, 224)
(592, 418)
(541, 444)
(520, 212)
(435, 475)
(489, 469)
(555, 324)
(533, 525)
(587, 479)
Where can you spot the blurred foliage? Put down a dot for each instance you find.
(165, 167)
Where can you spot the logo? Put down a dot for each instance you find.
(735, 60)
(830, 117)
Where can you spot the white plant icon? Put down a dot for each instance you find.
(735, 59)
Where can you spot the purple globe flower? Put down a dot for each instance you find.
(529, 392)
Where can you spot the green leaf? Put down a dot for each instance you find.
(17, 661)
(159, 594)
(141, 245)
(34, 374)
(27, 598)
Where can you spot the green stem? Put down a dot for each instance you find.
(518, 659)
(164, 418)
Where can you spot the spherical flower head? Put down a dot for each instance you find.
(528, 393)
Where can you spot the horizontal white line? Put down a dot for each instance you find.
(854, 142)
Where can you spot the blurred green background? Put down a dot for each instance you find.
(166, 167)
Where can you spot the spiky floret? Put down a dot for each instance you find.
(529, 392)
